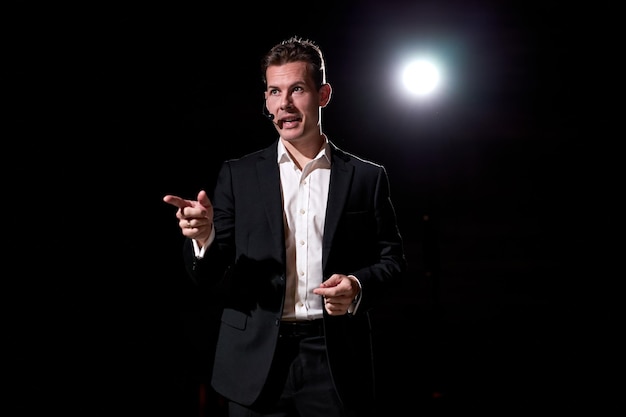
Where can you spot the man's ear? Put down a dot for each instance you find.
(325, 92)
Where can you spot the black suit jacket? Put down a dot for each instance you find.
(246, 264)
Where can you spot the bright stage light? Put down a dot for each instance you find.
(421, 77)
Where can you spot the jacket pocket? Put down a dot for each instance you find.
(234, 318)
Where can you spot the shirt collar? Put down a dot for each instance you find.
(283, 155)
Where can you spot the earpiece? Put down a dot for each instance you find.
(267, 114)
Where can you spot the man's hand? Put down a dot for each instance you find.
(195, 218)
(338, 291)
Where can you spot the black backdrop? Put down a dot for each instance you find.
(507, 304)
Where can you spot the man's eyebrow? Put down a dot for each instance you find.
(297, 83)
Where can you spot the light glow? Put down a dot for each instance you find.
(421, 77)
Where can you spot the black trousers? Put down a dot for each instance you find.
(300, 383)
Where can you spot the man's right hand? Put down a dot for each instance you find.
(195, 218)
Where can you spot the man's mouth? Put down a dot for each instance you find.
(290, 122)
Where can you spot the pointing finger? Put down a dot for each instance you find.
(175, 201)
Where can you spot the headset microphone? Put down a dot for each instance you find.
(267, 114)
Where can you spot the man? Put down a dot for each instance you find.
(300, 241)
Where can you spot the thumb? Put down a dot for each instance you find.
(203, 199)
(332, 281)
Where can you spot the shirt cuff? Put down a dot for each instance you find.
(357, 300)
(199, 251)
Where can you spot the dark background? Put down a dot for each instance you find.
(498, 184)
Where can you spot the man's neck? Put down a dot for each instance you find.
(304, 150)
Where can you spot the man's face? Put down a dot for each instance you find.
(294, 100)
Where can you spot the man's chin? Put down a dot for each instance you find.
(290, 135)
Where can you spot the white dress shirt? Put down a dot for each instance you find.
(305, 194)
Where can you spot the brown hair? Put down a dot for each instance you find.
(296, 49)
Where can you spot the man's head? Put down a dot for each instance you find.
(296, 90)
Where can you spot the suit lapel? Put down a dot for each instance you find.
(341, 174)
(268, 177)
